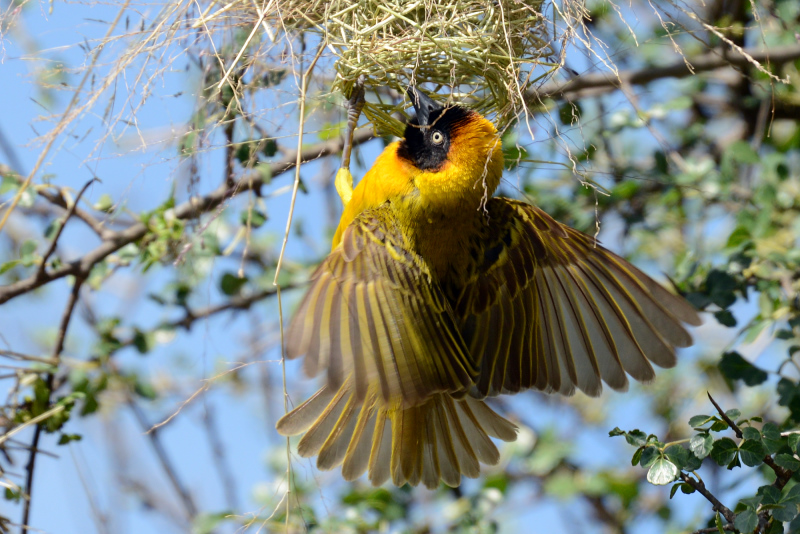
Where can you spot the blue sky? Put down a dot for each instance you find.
(85, 474)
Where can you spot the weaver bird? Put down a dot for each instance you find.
(436, 296)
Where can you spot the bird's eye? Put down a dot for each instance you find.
(437, 138)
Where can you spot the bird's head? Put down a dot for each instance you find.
(456, 150)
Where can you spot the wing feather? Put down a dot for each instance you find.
(376, 313)
(580, 313)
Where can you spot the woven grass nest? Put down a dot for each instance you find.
(485, 51)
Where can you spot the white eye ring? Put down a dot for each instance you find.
(437, 138)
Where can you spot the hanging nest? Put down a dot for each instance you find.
(485, 52)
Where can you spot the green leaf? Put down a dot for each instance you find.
(775, 527)
(771, 438)
(752, 452)
(701, 445)
(662, 472)
(8, 184)
(52, 229)
(27, 252)
(718, 523)
(7, 266)
(791, 495)
(719, 426)
(145, 390)
(677, 455)
(735, 367)
(569, 113)
(693, 463)
(721, 287)
(733, 414)
(787, 461)
(787, 391)
(257, 218)
(784, 513)
(649, 456)
(723, 451)
(270, 148)
(13, 495)
(636, 437)
(749, 432)
(740, 235)
(784, 334)
(725, 318)
(143, 341)
(769, 494)
(104, 203)
(625, 190)
(700, 420)
(794, 442)
(230, 284)
(746, 521)
(742, 152)
(67, 438)
(206, 523)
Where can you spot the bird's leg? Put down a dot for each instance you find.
(344, 180)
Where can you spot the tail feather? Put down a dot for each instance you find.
(436, 441)
(356, 459)
(333, 450)
(381, 454)
(316, 436)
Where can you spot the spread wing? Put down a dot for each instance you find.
(548, 308)
(374, 311)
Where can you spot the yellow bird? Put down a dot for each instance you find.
(436, 295)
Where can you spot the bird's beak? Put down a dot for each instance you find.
(423, 105)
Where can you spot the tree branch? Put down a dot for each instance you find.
(37, 432)
(593, 84)
(193, 207)
(59, 200)
(191, 316)
(782, 474)
(54, 243)
(189, 506)
(700, 486)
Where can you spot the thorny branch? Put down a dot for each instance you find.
(700, 487)
(782, 474)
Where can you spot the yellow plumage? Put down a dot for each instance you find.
(436, 295)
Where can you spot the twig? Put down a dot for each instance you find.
(303, 88)
(58, 200)
(220, 460)
(713, 530)
(59, 347)
(42, 267)
(700, 487)
(66, 117)
(725, 417)
(190, 316)
(603, 82)
(27, 357)
(190, 509)
(782, 474)
(296, 185)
